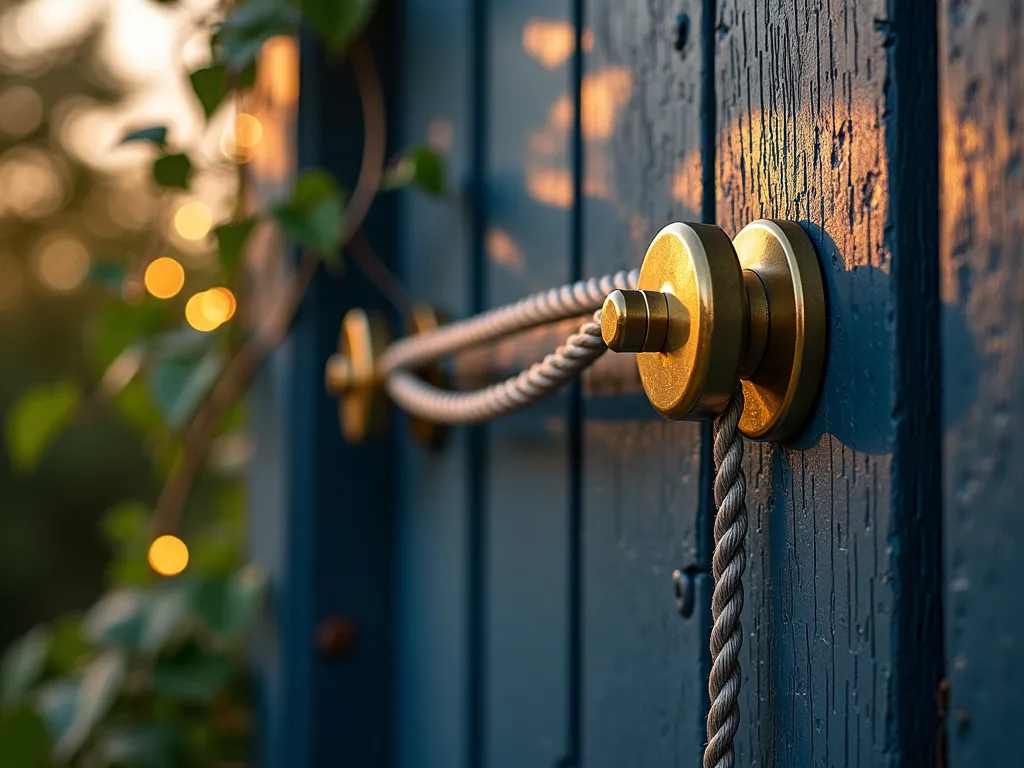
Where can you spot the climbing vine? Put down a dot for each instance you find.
(154, 673)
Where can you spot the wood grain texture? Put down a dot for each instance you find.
(433, 560)
(644, 672)
(838, 603)
(983, 342)
(526, 494)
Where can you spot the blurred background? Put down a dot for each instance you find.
(125, 183)
(75, 76)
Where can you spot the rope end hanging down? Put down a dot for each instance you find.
(729, 563)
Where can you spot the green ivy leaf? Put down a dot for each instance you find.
(156, 134)
(120, 325)
(245, 30)
(36, 419)
(25, 738)
(212, 84)
(130, 569)
(228, 606)
(179, 386)
(68, 646)
(231, 239)
(421, 166)
(173, 171)
(117, 619)
(180, 344)
(192, 676)
(166, 612)
(22, 664)
(125, 521)
(96, 691)
(208, 84)
(142, 745)
(56, 702)
(338, 21)
(314, 215)
(109, 275)
(135, 405)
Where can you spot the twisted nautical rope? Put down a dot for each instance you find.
(416, 396)
(580, 350)
(729, 562)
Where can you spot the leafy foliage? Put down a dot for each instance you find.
(156, 134)
(422, 167)
(248, 27)
(25, 738)
(179, 643)
(173, 171)
(314, 214)
(213, 84)
(153, 674)
(37, 418)
(338, 22)
(231, 239)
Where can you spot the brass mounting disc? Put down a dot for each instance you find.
(695, 373)
(780, 393)
(361, 405)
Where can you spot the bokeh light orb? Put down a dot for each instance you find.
(62, 264)
(193, 220)
(168, 555)
(164, 277)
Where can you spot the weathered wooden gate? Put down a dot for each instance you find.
(511, 595)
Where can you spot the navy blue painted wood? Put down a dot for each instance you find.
(982, 76)
(644, 674)
(826, 115)
(534, 623)
(434, 582)
(527, 246)
(330, 547)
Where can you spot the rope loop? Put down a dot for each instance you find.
(556, 370)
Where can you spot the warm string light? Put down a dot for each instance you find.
(207, 310)
(168, 555)
(62, 264)
(164, 277)
(193, 220)
(240, 140)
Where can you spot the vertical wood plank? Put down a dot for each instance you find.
(434, 507)
(841, 619)
(983, 343)
(329, 539)
(526, 495)
(644, 667)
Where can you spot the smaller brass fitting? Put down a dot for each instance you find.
(351, 374)
(635, 321)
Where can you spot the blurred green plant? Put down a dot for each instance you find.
(149, 676)
(154, 673)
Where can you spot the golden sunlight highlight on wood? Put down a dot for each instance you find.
(193, 220)
(552, 42)
(168, 555)
(605, 93)
(278, 74)
(551, 186)
(164, 277)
